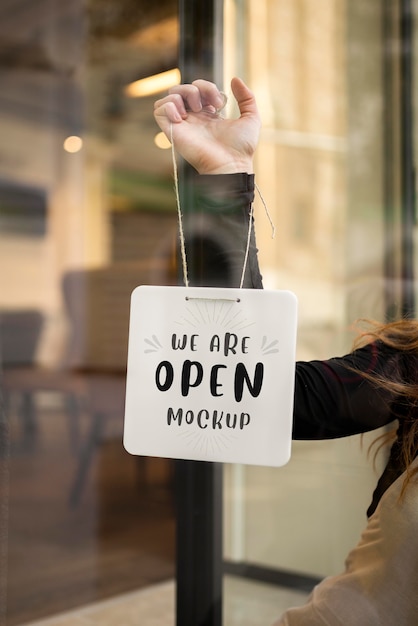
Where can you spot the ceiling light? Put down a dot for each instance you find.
(153, 84)
(73, 143)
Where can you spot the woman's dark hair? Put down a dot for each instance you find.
(401, 335)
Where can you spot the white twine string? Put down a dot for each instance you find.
(247, 248)
(180, 220)
(273, 228)
(180, 217)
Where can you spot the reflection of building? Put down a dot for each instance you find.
(328, 107)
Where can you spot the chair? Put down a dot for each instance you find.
(98, 304)
(22, 377)
(92, 375)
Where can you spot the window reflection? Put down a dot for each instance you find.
(327, 107)
(87, 213)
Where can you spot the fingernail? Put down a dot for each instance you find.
(222, 100)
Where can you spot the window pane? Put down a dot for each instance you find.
(328, 106)
(87, 213)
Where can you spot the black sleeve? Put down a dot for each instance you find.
(216, 233)
(333, 399)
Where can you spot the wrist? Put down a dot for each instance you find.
(234, 167)
(224, 193)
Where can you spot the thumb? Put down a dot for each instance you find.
(245, 99)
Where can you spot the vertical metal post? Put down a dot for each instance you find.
(390, 161)
(199, 484)
(407, 158)
(199, 543)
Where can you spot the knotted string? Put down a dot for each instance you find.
(180, 220)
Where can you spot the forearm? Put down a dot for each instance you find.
(335, 399)
(332, 398)
(217, 230)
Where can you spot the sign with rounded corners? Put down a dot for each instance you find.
(210, 374)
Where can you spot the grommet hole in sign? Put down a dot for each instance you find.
(210, 372)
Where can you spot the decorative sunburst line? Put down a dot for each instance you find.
(205, 320)
(211, 308)
(242, 324)
(206, 305)
(196, 441)
(232, 321)
(184, 321)
(234, 316)
(271, 344)
(269, 348)
(226, 314)
(215, 445)
(200, 440)
(157, 341)
(154, 343)
(225, 438)
(192, 434)
(187, 435)
(214, 309)
(193, 314)
(220, 442)
(220, 310)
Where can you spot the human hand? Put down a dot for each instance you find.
(210, 143)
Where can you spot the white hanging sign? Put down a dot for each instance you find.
(211, 374)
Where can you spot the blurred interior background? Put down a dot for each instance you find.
(87, 212)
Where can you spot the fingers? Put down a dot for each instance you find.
(203, 95)
(209, 94)
(171, 107)
(199, 95)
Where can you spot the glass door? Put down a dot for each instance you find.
(87, 213)
(335, 168)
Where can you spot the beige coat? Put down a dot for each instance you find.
(379, 586)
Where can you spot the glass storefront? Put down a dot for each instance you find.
(327, 76)
(88, 212)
